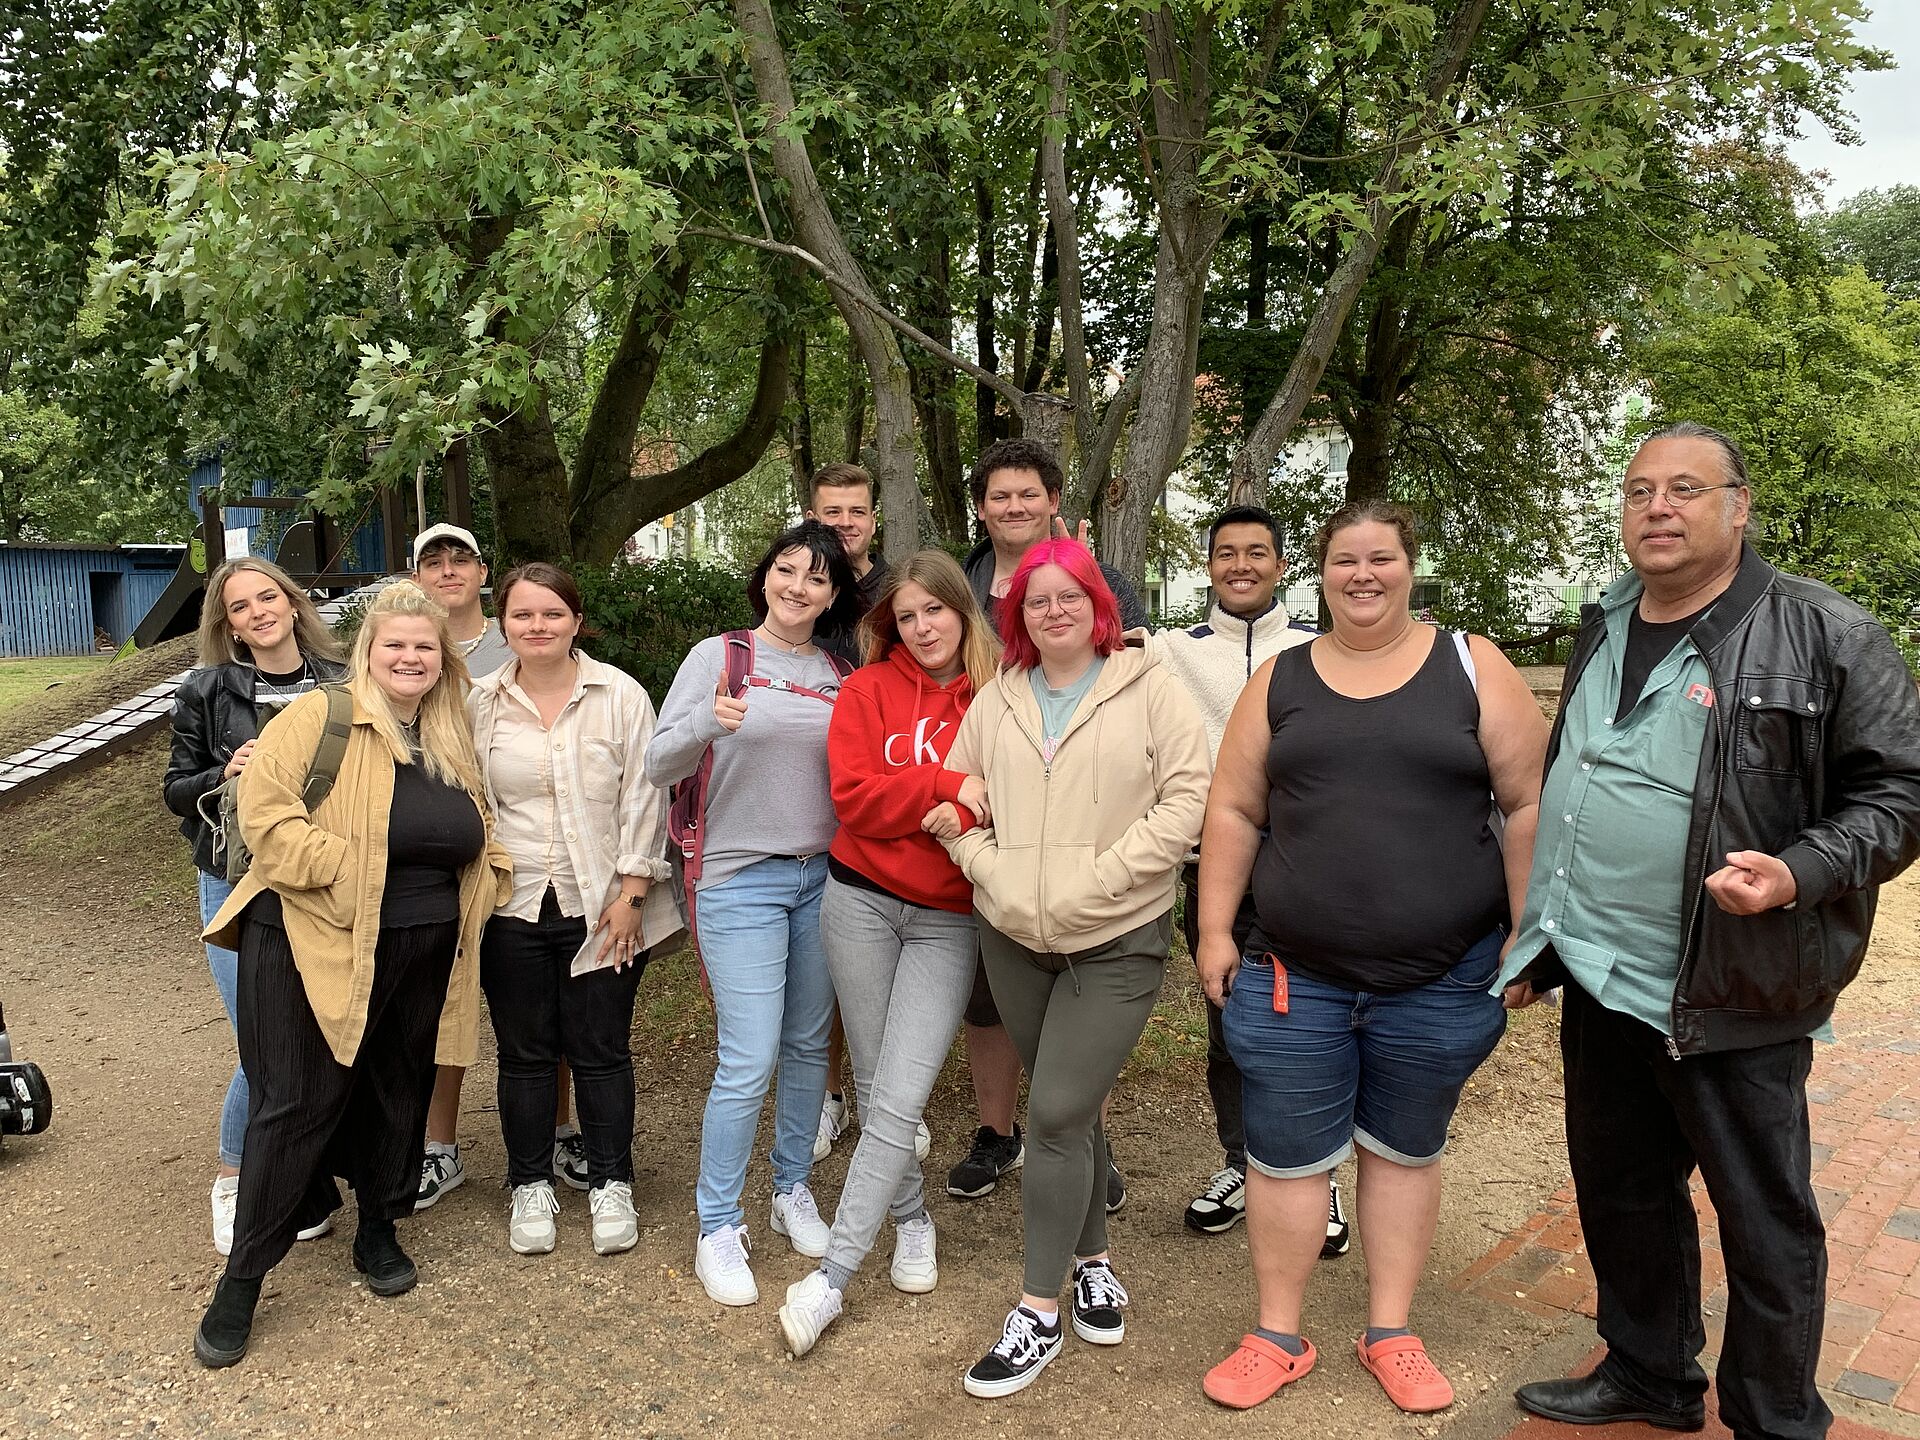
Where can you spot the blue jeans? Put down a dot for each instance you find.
(225, 965)
(773, 1002)
(1352, 1067)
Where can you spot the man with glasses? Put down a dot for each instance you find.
(1734, 772)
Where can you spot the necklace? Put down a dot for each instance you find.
(780, 642)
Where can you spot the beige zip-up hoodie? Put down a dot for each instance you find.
(1086, 848)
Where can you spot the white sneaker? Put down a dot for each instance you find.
(440, 1171)
(915, 1270)
(922, 1141)
(531, 1231)
(226, 1199)
(615, 1227)
(835, 1118)
(798, 1218)
(812, 1305)
(314, 1232)
(720, 1264)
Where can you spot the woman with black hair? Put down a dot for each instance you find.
(760, 701)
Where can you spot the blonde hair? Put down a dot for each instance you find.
(220, 646)
(940, 575)
(446, 734)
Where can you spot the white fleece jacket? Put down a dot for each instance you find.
(1215, 660)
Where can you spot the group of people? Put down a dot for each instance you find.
(936, 796)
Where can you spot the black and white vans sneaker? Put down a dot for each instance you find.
(1222, 1205)
(1339, 1233)
(1027, 1344)
(1099, 1304)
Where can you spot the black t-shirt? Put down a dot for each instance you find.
(1379, 869)
(1648, 643)
(434, 831)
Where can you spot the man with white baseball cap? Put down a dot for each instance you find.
(447, 565)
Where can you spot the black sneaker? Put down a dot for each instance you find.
(1222, 1205)
(570, 1161)
(992, 1156)
(378, 1256)
(1116, 1185)
(1099, 1304)
(1026, 1344)
(1339, 1233)
(225, 1329)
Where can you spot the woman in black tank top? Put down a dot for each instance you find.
(1355, 793)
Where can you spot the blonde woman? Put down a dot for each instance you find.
(262, 646)
(896, 918)
(358, 928)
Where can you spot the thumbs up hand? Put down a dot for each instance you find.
(729, 710)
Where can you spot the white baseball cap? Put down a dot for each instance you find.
(435, 533)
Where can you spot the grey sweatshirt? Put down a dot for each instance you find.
(768, 794)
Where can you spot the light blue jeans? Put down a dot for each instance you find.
(773, 1000)
(225, 965)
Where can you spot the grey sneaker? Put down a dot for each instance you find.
(570, 1161)
(440, 1171)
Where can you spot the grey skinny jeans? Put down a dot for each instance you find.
(1074, 1019)
(902, 973)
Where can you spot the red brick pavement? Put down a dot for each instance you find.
(1864, 1099)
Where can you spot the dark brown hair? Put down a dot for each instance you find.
(548, 577)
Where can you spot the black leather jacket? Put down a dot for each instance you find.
(1813, 756)
(213, 716)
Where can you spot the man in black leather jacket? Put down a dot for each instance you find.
(1734, 771)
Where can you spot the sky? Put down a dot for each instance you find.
(1884, 113)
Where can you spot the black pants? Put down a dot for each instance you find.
(1223, 1076)
(542, 1015)
(1638, 1124)
(312, 1118)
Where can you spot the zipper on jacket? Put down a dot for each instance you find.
(1699, 899)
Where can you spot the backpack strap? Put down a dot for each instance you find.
(332, 748)
(739, 661)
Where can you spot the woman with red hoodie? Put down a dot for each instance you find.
(897, 917)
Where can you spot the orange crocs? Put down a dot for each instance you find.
(1411, 1380)
(1254, 1371)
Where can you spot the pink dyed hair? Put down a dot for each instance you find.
(1079, 563)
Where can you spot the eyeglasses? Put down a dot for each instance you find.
(1071, 602)
(1679, 494)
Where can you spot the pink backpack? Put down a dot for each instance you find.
(685, 820)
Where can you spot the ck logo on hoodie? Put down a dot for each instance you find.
(922, 743)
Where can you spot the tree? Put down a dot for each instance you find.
(1819, 382)
(1879, 230)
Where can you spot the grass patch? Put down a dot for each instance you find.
(40, 713)
(26, 680)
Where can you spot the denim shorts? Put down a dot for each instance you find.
(1345, 1067)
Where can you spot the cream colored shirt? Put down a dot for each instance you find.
(572, 803)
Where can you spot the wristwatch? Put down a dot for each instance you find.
(638, 902)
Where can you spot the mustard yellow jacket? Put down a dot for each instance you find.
(330, 870)
(1088, 846)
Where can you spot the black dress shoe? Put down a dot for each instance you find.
(1595, 1400)
(222, 1337)
(378, 1256)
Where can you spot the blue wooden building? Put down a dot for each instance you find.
(76, 599)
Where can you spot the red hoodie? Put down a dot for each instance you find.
(892, 728)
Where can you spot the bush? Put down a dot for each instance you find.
(652, 612)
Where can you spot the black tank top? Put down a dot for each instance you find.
(1379, 868)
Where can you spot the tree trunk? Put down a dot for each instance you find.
(856, 409)
(1369, 471)
(819, 232)
(529, 486)
(987, 425)
(1040, 345)
(930, 307)
(1253, 460)
(800, 427)
(1259, 227)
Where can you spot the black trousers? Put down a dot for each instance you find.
(1638, 1124)
(542, 1015)
(1223, 1076)
(312, 1118)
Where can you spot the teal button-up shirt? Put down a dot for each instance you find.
(1609, 861)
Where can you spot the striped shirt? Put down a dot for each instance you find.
(273, 693)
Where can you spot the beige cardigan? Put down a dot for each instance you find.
(1087, 847)
(330, 871)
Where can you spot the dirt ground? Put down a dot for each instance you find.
(105, 1261)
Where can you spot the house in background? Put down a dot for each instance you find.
(77, 599)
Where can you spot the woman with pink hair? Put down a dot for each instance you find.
(1095, 764)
